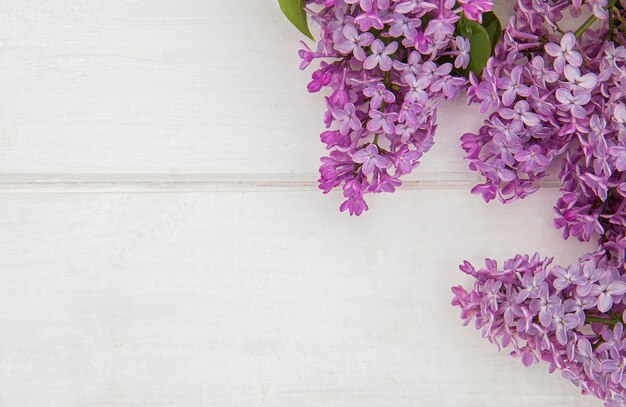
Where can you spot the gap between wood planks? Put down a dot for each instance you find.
(86, 183)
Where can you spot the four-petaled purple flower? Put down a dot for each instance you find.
(606, 289)
(347, 118)
(564, 52)
(380, 55)
(353, 42)
(385, 121)
(573, 102)
(379, 94)
(371, 159)
(513, 86)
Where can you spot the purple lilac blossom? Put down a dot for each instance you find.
(387, 64)
(538, 311)
(557, 96)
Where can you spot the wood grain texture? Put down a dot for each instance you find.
(257, 298)
(162, 242)
(193, 86)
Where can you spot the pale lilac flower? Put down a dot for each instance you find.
(562, 323)
(406, 160)
(591, 364)
(405, 130)
(463, 57)
(615, 366)
(564, 53)
(380, 55)
(573, 103)
(521, 111)
(385, 121)
(474, 9)
(612, 338)
(353, 41)
(371, 159)
(530, 284)
(619, 117)
(379, 94)
(619, 154)
(532, 159)
(544, 304)
(417, 88)
(606, 288)
(506, 146)
(542, 74)
(450, 86)
(347, 118)
(598, 7)
(403, 26)
(591, 274)
(440, 27)
(513, 86)
(566, 277)
(413, 65)
(369, 18)
(577, 305)
(587, 81)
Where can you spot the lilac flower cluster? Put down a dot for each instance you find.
(572, 318)
(550, 92)
(387, 63)
(557, 94)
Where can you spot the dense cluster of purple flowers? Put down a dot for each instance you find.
(551, 93)
(572, 318)
(557, 94)
(387, 63)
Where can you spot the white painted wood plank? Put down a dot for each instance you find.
(168, 87)
(258, 299)
(72, 183)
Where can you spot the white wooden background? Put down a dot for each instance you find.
(163, 243)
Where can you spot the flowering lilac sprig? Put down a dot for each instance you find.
(388, 63)
(557, 94)
(546, 89)
(571, 318)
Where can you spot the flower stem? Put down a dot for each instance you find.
(589, 22)
(387, 79)
(611, 322)
(611, 25)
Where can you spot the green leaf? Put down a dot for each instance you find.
(493, 27)
(294, 11)
(480, 43)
